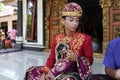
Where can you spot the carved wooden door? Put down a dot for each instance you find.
(55, 17)
(115, 19)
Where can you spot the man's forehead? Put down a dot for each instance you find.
(72, 17)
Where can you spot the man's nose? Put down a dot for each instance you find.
(75, 23)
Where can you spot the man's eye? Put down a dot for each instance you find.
(71, 20)
(77, 20)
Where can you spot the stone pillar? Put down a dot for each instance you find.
(19, 38)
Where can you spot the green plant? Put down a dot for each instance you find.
(1, 6)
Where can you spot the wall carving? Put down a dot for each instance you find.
(47, 14)
(116, 17)
(105, 4)
(116, 31)
(53, 8)
(111, 18)
(116, 4)
(56, 16)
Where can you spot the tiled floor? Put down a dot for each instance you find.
(98, 67)
(13, 65)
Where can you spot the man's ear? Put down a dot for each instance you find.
(62, 21)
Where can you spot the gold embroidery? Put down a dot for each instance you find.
(75, 13)
(59, 37)
(75, 41)
(66, 39)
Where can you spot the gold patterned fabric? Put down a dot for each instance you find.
(74, 41)
(79, 43)
(72, 9)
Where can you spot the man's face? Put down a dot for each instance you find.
(71, 23)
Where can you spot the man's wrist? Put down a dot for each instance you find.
(117, 76)
(45, 69)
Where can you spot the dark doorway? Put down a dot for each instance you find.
(4, 26)
(14, 24)
(92, 22)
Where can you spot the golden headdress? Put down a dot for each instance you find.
(72, 9)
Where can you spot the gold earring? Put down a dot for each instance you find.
(62, 23)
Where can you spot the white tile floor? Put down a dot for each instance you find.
(13, 65)
(98, 67)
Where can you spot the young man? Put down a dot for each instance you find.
(70, 51)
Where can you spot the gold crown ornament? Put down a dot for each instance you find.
(72, 9)
(69, 13)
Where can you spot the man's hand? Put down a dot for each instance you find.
(42, 77)
(117, 74)
(113, 73)
(49, 76)
(71, 56)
